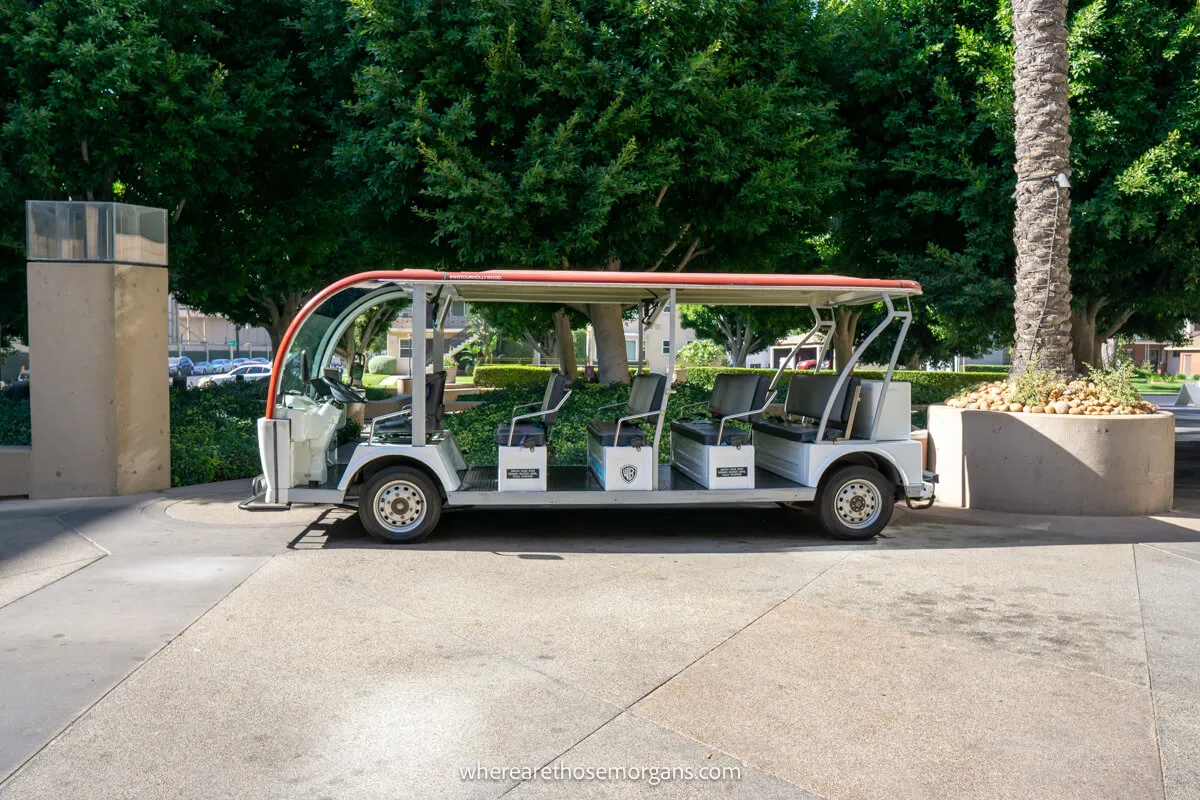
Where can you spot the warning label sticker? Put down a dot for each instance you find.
(732, 472)
(524, 474)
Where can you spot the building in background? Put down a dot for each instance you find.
(203, 337)
(399, 336)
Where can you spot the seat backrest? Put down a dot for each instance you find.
(807, 395)
(736, 394)
(435, 396)
(646, 393)
(556, 387)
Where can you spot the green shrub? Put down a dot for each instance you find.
(1195, 377)
(1005, 368)
(382, 365)
(511, 376)
(927, 387)
(475, 428)
(1179, 376)
(15, 426)
(379, 392)
(214, 432)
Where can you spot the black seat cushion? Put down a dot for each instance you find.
(527, 433)
(394, 425)
(605, 431)
(792, 431)
(705, 432)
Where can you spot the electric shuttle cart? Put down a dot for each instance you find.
(838, 442)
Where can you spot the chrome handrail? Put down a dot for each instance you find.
(512, 424)
(631, 417)
(751, 413)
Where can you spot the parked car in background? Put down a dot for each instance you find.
(201, 368)
(260, 360)
(237, 362)
(244, 372)
(220, 365)
(181, 367)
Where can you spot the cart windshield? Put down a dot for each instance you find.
(314, 330)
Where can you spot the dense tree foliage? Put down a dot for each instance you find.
(297, 140)
(743, 331)
(596, 134)
(928, 194)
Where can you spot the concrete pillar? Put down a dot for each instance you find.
(98, 345)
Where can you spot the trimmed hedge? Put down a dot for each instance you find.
(927, 387)
(382, 365)
(1005, 368)
(15, 425)
(511, 376)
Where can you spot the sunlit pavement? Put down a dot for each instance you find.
(172, 646)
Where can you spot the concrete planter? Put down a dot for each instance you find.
(1051, 464)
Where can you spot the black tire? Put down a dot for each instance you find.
(400, 504)
(855, 503)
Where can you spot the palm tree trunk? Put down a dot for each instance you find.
(1043, 226)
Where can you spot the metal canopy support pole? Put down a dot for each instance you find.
(420, 324)
(641, 342)
(669, 390)
(823, 348)
(906, 320)
(819, 323)
(438, 344)
(848, 367)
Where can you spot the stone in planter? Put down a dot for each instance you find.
(1053, 464)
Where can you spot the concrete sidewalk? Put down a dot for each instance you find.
(171, 646)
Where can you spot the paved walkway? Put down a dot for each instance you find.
(147, 653)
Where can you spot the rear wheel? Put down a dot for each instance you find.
(855, 503)
(400, 504)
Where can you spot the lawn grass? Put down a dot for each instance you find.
(1164, 387)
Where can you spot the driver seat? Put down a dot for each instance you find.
(435, 410)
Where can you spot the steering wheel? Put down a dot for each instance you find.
(339, 391)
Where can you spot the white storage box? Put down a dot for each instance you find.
(621, 468)
(715, 466)
(522, 469)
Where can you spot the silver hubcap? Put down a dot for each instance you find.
(400, 506)
(858, 503)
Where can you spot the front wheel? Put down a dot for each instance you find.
(855, 503)
(400, 504)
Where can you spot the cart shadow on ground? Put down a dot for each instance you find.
(744, 529)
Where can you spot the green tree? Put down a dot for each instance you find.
(928, 196)
(100, 100)
(545, 328)
(742, 330)
(209, 110)
(595, 135)
(257, 249)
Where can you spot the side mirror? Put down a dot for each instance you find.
(305, 377)
(356, 372)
